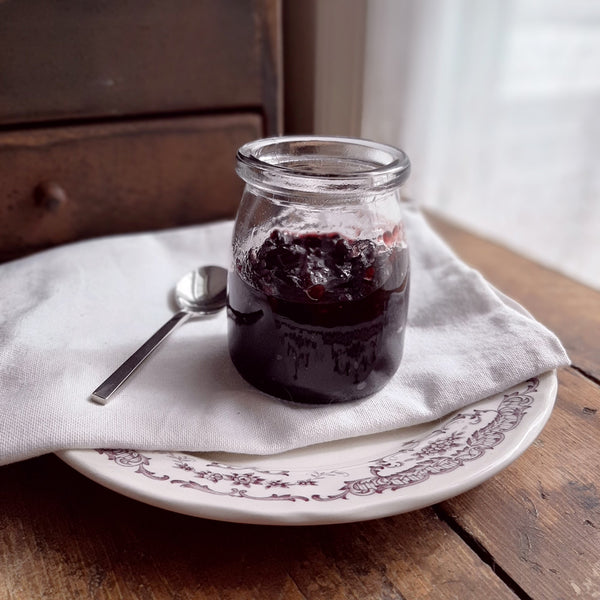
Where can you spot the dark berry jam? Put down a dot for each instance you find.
(319, 318)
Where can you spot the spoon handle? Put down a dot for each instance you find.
(107, 388)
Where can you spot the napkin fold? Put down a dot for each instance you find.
(72, 314)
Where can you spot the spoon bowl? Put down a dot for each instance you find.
(201, 292)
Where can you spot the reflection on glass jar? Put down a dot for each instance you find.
(318, 289)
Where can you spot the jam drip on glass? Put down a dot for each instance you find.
(319, 318)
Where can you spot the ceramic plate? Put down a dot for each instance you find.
(350, 480)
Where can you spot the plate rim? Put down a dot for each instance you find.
(383, 506)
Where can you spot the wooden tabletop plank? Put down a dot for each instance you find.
(537, 522)
(568, 308)
(63, 536)
(540, 518)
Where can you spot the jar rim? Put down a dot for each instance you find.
(312, 163)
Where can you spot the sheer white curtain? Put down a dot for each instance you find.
(497, 102)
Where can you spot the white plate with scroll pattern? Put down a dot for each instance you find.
(338, 482)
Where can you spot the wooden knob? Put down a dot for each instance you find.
(50, 195)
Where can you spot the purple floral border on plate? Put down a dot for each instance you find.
(465, 437)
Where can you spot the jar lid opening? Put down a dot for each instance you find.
(322, 164)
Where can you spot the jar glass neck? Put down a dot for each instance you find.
(322, 165)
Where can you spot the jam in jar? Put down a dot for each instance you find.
(318, 289)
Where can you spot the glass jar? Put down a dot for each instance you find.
(318, 289)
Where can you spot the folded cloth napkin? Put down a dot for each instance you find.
(72, 314)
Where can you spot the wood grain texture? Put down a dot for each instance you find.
(540, 518)
(119, 178)
(63, 536)
(570, 309)
(65, 60)
(531, 532)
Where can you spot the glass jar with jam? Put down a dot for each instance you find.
(318, 289)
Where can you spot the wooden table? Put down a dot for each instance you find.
(533, 531)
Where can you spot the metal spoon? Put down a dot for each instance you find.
(201, 292)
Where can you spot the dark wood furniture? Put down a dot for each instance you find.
(532, 532)
(120, 116)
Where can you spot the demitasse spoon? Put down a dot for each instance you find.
(201, 292)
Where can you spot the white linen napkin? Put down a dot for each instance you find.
(69, 316)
